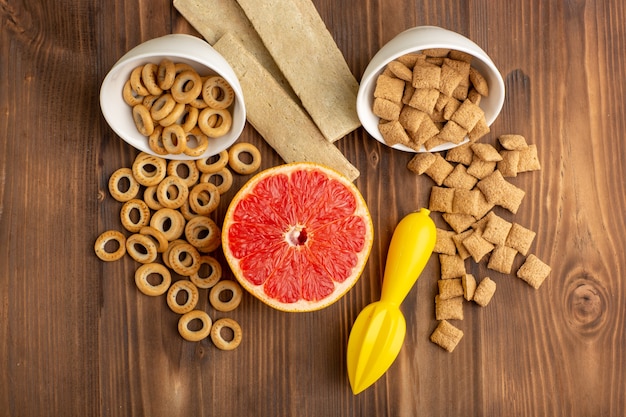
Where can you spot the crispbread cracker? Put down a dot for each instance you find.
(452, 132)
(462, 154)
(469, 286)
(459, 222)
(520, 238)
(509, 164)
(452, 266)
(276, 116)
(389, 88)
(513, 142)
(449, 309)
(501, 259)
(400, 70)
(468, 114)
(459, 178)
(450, 288)
(484, 291)
(420, 163)
(534, 271)
(441, 199)
(477, 246)
(439, 169)
(528, 159)
(499, 191)
(411, 118)
(386, 109)
(446, 336)
(393, 133)
(426, 76)
(214, 18)
(465, 201)
(486, 152)
(497, 229)
(462, 252)
(444, 243)
(479, 168)
(285, 23)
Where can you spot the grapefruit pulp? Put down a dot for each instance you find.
(297, 236)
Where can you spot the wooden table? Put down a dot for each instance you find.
(78, 339)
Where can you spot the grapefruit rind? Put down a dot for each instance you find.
(340, 288)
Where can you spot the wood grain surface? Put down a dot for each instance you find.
(78, 339)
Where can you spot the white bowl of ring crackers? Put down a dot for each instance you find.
(174, 97)
(429, 89)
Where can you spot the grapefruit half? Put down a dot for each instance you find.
(297, 236)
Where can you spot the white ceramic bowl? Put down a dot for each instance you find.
(179, 48)
(417, 39)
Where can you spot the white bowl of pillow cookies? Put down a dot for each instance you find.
(175, 97)
(429, 89)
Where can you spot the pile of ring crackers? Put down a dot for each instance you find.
(167, 230)
(429, 98)
(176, 108)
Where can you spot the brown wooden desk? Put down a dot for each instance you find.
(78, 339)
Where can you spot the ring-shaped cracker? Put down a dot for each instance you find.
(148, 169)
(187, 212)
(215, 273)
(128, 219)
(136, 83)
(224, 183)
(148, 101)
(162, 106)
(217, 93)
(211, 247)
(174, 115)
(172, 192)
(185, 170)
(195, 335)
(149, 197)
(174, 139)
(143, 120)
(182, 66)
(106, 237)
(197, 143)
(170, 222)
(222, 124)
(143, 283)
(225, 286)
(198, 200)
(141, 248)
(114, 185)
(155, 141)
(184, 259)
(165, 256)
(206, 166)
(158, 237)
(149, 78)
(199, 103)
(240, 166)
(188, 118)
(218, 339)
(187, 86)
(202, 231)
(130, 96)
(166, 74)
(191, 300)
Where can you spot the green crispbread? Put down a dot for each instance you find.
(278, 118)
(307, 55)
